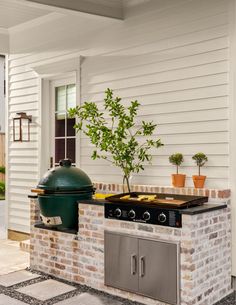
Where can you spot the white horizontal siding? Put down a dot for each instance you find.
(181, 79)
(173, 59)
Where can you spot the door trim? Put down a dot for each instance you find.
(54, 69)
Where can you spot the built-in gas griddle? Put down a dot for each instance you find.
(153, 208)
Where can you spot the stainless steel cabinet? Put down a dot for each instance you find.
(145, 266)
(121, 261)
(158, 270)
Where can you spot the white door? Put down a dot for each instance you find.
(63, 135)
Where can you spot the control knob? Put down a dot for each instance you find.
(146, 215)
(117, 212)
(110, 213)
(162, 217)
(131, 214)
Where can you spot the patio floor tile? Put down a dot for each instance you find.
(17, 277)
(5, 300)
(11, 257)
(90, 299)
(46, 290)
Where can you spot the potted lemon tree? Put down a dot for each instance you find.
(178, 180)
(117, 137)
(199, 180)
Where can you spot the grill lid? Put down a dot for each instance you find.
(65, 178)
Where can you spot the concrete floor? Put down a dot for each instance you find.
(11, 257)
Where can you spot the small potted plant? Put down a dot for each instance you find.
(178, 180)
(199, 180)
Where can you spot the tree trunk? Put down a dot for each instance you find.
(126, 181)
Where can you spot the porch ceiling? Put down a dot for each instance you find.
(20, 15)
(13, 13)
(105, 8)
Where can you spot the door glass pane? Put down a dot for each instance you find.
(61, 98)
(65, 98)
(60, 125)
(70, 127)
(71, 96)
(59, 150)
(71, 149)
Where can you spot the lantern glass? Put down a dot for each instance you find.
(25, 130)
(16, 129)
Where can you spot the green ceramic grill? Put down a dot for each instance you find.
(59, 192)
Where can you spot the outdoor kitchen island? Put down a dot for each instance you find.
(202, 245)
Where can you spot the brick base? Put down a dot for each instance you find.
(205, 242)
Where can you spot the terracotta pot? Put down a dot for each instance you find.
(199, 181)
(178, 180)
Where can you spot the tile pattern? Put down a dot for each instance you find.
(17, 277)
(6, 300)
(78, 294)
(46, 290)
(90, 298)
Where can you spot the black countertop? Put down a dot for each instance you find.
(93, 201)
(41, 225)
(206, 207)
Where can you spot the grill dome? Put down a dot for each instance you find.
(65, 178)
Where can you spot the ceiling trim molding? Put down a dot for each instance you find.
(57, 66)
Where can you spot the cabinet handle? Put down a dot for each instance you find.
(142, 266)
(133, 264)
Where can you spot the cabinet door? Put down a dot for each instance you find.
(121, 261)
(158, 270)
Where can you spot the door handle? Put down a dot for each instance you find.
(142, 266)
(133, 264)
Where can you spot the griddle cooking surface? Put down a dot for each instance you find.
(162, 200)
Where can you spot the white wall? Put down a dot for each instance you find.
(176, 64)
(2, 97)
(171, 56)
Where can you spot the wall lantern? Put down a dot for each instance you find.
(21, 127)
